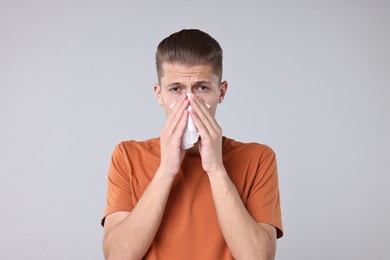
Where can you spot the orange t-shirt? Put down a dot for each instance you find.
(189, 227)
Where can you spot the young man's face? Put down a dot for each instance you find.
(199, 80)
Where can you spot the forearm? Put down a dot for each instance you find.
(245, 238)
(132, 237)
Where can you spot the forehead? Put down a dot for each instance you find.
(179, 72)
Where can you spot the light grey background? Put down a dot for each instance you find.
(308, 78)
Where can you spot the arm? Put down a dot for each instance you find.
(246, 238)
(128, 235)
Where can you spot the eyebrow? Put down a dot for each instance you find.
(173, 84)
(195, 83)
(202, 82)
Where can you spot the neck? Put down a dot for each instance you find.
(193, 150)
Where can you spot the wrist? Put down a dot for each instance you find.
(165, 173)
(217, 172)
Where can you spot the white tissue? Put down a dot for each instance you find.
(191, 134)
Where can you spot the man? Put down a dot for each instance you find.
(216, 200)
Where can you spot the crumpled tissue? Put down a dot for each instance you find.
(191, 134)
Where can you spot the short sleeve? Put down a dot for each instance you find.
(118, 184)
(263, 200)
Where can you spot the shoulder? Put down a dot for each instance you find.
(248, 149)
(133, 147)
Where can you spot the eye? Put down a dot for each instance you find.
(203, 88)
(174, 89)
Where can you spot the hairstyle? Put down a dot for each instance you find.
(189, 47)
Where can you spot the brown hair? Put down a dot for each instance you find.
(189, 47)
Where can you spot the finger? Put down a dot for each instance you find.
(176, 114)
(203, 114)
(179, 130)
(208, 127)
(200, 126)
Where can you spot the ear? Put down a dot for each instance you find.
(157, 93)
(223, 88)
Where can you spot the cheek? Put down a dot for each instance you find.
(213, 109)
(167, 100)
(213, 102)
(167, 105)
(208, 98)
(167, 110)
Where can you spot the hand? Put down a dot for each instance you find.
(210, 144)
(170, 139)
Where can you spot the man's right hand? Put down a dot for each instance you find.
(170, 139)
